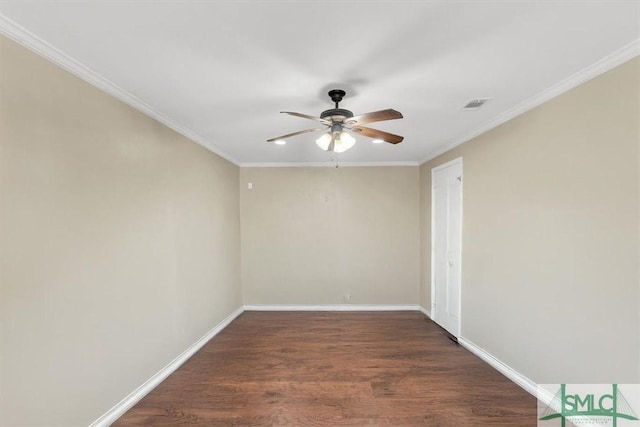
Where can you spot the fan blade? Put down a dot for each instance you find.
(306, 116)
(376, 116)
(300, 132)
(378, 134)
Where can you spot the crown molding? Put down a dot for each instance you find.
(34, 43)
(322, 164)
(609, 62)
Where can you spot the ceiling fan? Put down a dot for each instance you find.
(338, 121)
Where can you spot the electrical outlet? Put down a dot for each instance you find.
(347, 297)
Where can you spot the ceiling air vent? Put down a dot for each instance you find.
(474, 104)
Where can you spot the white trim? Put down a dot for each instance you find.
(425, 311)
(457, 160)
(454, 162)
(332, 307)
(501, 367)
(431, 246)
(609, 62)
(323, 164)
(135, 396)
(32, 42)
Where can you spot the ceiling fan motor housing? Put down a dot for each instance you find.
(336, 114)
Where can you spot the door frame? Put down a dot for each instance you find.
(456, 161)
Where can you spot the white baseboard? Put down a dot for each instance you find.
(425, 311)
(501, 367)
(128, 402)
(332, 307)
(134, 397)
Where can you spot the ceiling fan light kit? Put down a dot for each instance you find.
(338, 141)
(338, 122)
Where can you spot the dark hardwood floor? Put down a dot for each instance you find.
(334, 369)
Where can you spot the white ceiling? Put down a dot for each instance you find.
(223, 70)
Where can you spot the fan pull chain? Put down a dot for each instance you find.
(334, 158)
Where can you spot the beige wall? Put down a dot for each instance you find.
(119, 239)
(550, 235)
(310, 235)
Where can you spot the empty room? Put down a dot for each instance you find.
(319, 213)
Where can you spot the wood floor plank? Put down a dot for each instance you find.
(334, 369)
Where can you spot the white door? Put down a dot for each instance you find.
(446, 242)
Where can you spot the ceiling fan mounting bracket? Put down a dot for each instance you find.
(336, 114)
(337, 95)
